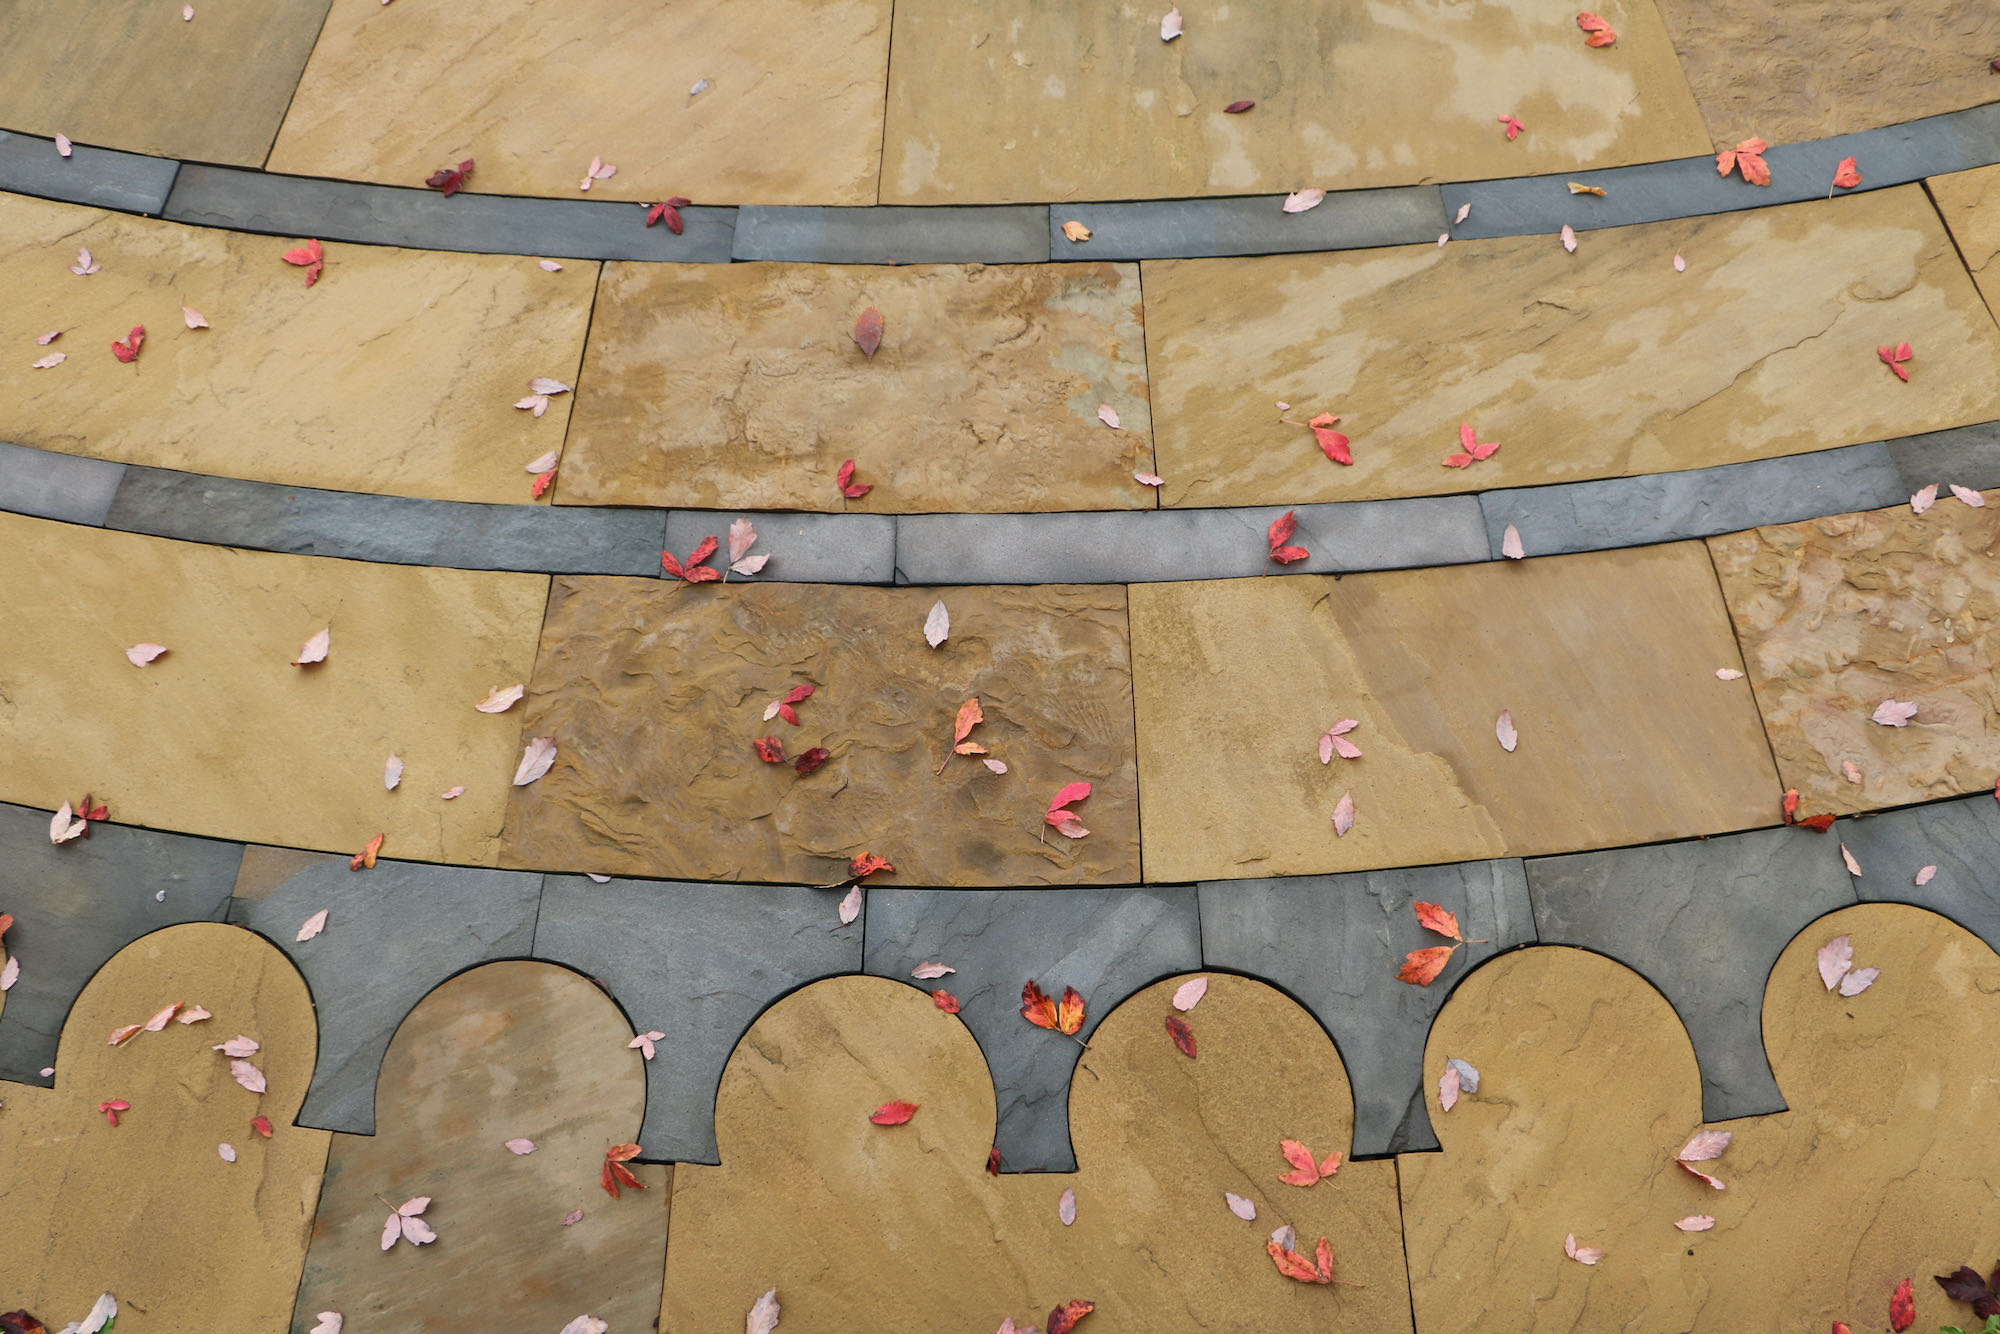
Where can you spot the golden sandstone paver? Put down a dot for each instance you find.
(741, 386)
(1603, 363)
(921, 1238)
(1791, 72)
(513, 1050)
(1878, 1171)
(655, 692)
(396, 374)
(1837, 615)
(1033, 100)
(138, 77)
(792, 111)
(1606, 662)
(149, 1210)
(1970, 203)
(223, 736)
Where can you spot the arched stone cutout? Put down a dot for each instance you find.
(515, 1049)
(149, 1209)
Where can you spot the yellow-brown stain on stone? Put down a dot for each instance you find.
(1970, 204)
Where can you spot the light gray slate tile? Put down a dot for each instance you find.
(699, 963)
(1247, 225)
(76, 905)
(1336, 941)
(49, 485)
(804, 548)
(1967, 455)
(102, 177)
(1701, 502)
(393, 933)
(894, 234)
(1704, 922)
(1960, 838)
(256, 201)
(1143, 546)
(1107, 943)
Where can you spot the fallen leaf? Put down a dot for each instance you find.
(1343, 815)
(572, 1218)
(937, 625)
(192, 1014)
(1170, 26)
(1583, 1255)
(1448, 1088)
(309, 257)
(615, 1173)
(1189, 993)
(1433, 918)
(1149, 479)
(1859, 981)
(1850, 771)
(1576, 189)
(643, 1044)
(1464, 212)
(586, 1324)
(893, 1113)
(1183, 1036)
(864, 864)
(1853, 867)
(1695, 1223)
(849, 488)
(1042, 1012)
(543, 463)
(1514, 127)
(112, 1108)
(404, 1224)
(1421, 967)
(227, 1152)
(1969, 496)
(1237, 108)
(769, 749)
(850, 906)
(193, 318)
(549, 266)
(945, 1001)
(763, 1317)
(1894, 713)
(1242, 1208)
(128, 351)
(1291, 1264)
(1924, 876)
(868, 332)
(141, 654)
(10, 972)
(669, 212)
(65, 825)
(699, 87)
(1300, 200)
(246, 1074)
(1747, 158)
(1331, 442)
(1680, 264)
(451, 794)
(123, 1035)
(1510, 543)
(84, 266)
(1596, 31)
(1569, 238)
(315, 649)
(1334, 741)
(930, 971)
(1728, 674)
(49, 362)
(1705, 1146)
(449, 180)
(502, 698)
(1060, 815)
(1966, 1285)
(520, 1147)
(1108, 415)
(392, 772)
(1503, 728)
(365, 859)
(329, 1323)
(697, 570)
(1280, 533)
(598, 170)
(1066, 1208)
(536, 757)
(1924, 499)
(1472, 450)
(159, 1021)
(262, 1125)
(102, 1312)
(1063, 1318)
(1075, 230)
(811, 760)
(1846, 176)
(63, 146)
(1468, 1074)
(1902, 1307)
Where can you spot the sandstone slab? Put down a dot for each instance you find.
(1601, 363)
(741, 387)
(1033, 100)
(139, 78)
(1969, 202)
(514, 1050)
(434, 350)
(655, 691)
(1606, 662)
(791, 112)
(222, 736)
(1838, 615)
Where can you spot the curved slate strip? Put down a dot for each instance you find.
(101, 177)
(1961, 838)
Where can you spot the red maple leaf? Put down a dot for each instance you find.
(615, 1172)
(1280, 533)
(669, 212)
(308, 257)
(849, 488)
(696, 571)
(1038, 1009)
(449, 180)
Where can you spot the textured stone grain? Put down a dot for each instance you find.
(1969, 202)
(1960, 838)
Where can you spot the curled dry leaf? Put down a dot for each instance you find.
(931, 971)
(365, 859)
(1583, 1255)
(1066, 1208)
(1108, 415)
(811, 760)
(542, 462)
(141, 654)
(1503, 729)
(121, 1036)
(893, 1113)
(1170, 26)
(1847, 859)
(572, 1218)
(536, 757)
(1237, 108)
(1568, 236)
(868, 332)
(1695, 1223)
(44, 340)
(1894, 713)
(193, 318)
(763, 1317)
(159, 1021)
(1596, 32)
(1300, 200)
(1242, 1208)
(448, 181)
(1514, 127)
(315, 649)
(1343, 815)
(1692, 1170)
(1075, 230)
(937, 625)
(1576, 189)
(1510, 543)
(392, 772)
(502, 698)
(1189, 993)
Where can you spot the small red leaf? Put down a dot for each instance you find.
(1433, 918)
(946, 1001)
(1847, 176)
(810, 761)
(844, 479)
(868, 332)
(366, 857)
(1237, 108)
(993, 1162)
(1422, 966)
(262, 1125)
(770, 749)
(1183, 1036)
(1514, 127)
(450, 180)
(1903, 1307)
(128, 351)
(893, 1113)
(866, 864)
(1063, 1319)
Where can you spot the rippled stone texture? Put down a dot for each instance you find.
(396, 374)
(655, 691)
(1837, 615)
(792, 113)
(1606, 661)
(741, 387)
(1031, 100)
(1970, 203)
(1603, 363)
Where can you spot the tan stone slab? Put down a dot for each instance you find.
(654, 692)
(137, 77)
(1807, 71)
(741, 387)
(1588, 1088)
(1032, 100)
(148, 1210)
(223, 736)
(514, 1050)
(809, 1188)
(1604, 363)
(1837, 615)
(1970, 203)
(792, 113)
(1606, 661)
(396, 374)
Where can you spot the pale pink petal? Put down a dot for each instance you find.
(1692, 1170)
(595, 878)
(193, 1014)
(1569, 238)
(141, 654)
(193, 318)
(1464, 212)
(48, 338)
(536, 758)
(1680, 265)
(1583, 1255)
(1241, 1207)
(417, 1231)
(248, 1075)
(1189, 993)
(850, 907)
(1448, 1088)
(1300, 200)
(1924, 876)
(391, 1230)
(937, 625)
(1343, 814)
(1853, 867)
(10, 973)
(1859, 981)
(542, 384)
(1969, 496)
(1170, 26)
(1728, 674)
(539, 403)
(550, 266)
(159, 1021)
(763, 1317)
(572, 1218)
(1835, 958)
(521, 1147)
(1924, 499)
(227, 1152)
(50, 362)
(1510, 543)
(997, 766)
(751, 564)
(543, 463)
(1503, 729)
(643, 1044)
(1108, 415)
(1149, 479)
(187, 16)
(64, 146)
(1066, 1208)
(927, 971)
(1894, 712)
(1344, 748)
(392, 772)
(1695, 1223)
(313, 925)
(329, 1323)
(1286, 1236)
(1706, 1146)
(84, 265)
(238, 1046)
(502, 698)
(451, 794)
(315, 649)
(1850, 771)
(1443, 237)
(742, 536)
(410, 1208)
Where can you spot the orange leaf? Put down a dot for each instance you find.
(121, 1036)
(1433, 918)
(868, 332)
(866, 864)
(1183, 1036)
(1036, 1007)
(1301, 1158)
(615, 1173)
(1423, 966)
(542, 483)
(366, 857)
(1069, 1017)
(1291, 1264)
(1596, 31)
(1323, 1260)
(1063, 1319)
(893, 1113)
(1331, 1165)
(969, 717)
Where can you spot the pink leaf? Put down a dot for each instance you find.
(1969, 496)
(1569, 238)
(1583, 1255)
(536, 757)
(1835, 958)
(742, 536)
(1692, 1170)
(193, 1014)
(1149, 479)
(1241, 1207)
(1448, 1088)
(64, 146)
(1066, 1208)
(937, 625)
(549, 266)
(997, 766)
(451, 794)
(237, 1046)
(226, 1152)
(1680, 265)
(1706, 1146)
(141, 654)
(1695, 1223)
(1170, 26)
(392, 772)
(542, 463)
(1510, 543)
(1301, 200)
(10, 973)
(850, 907)
(1853, 867)
(542, 384)
(1728, 674)
(1924, 499)
(1189, 993)
(315, 649)
(159, 1021)
(1859, 981)
(1343, 814)
(1894, 713)
(248, 1075)
(84, 266)
(929, 971)
(1924, 876)
(520, 1147)
(502, 698)
(50, 362)
(1108, 415)
(313, 925)
(193, 318)
(1503, 729)
(643, 1044)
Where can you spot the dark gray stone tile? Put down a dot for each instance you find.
(1107, 943)
(804, 548)
(103, 177)
(393, 933)
(1248, 225)
(77, 905)
(228, 511)
(1335, 943)
(699, 963)
(1968, 455)
(893, 234)
(1670, 506)
(255, 201)
(1704, 922)
(1960, 838)
(49, 485)
(1142, 546)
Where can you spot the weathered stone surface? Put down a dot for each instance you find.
(1247, 225)
(1671, 506)
(741, 387)
(1105, 943)
(1606, 661)
(1160, 1138)
(1960, 838)
(888, 235)
(792, 113)
(1703, 922)
(804, 548)
(654, 693)
(77, 905)
(1335, 943)
(137, 77)
(1830, 68)
(1601, 363)
(57, 486)
(1969, 202)
(418, 400)
(1837, 615)
(99, 176)
(511, 1050)
(1968, 455)
(148, 1209)
(698, 963)
(1038, 100)
(223, 736)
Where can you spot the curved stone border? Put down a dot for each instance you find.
(1096, 547)
(256, 201)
